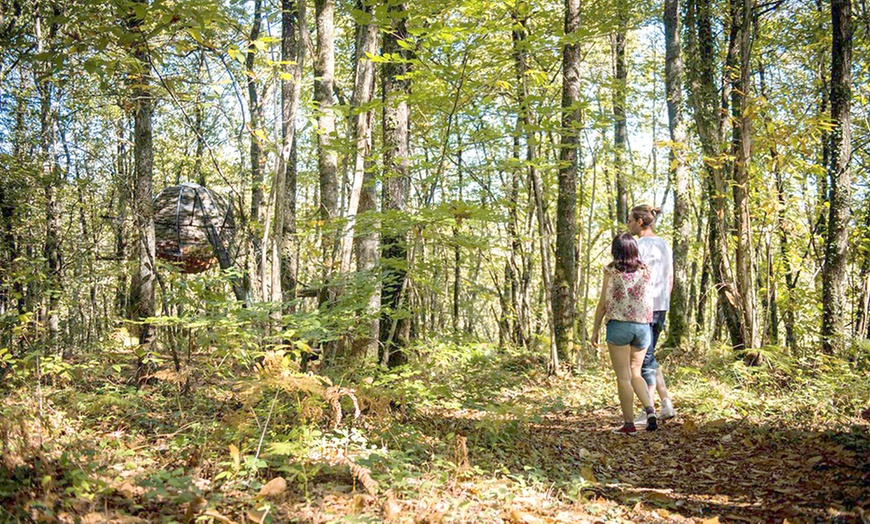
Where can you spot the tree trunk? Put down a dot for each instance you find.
(620, 125)
(741, 41)
(527, 120)
(283, 245)
(837, 239)
(707, 104)
(564, 285)
(395, 320)
(364, 347)
(51, 179)
(142, 288)
(327, 157)
(366, 42)
(255, 110)
(678, 317)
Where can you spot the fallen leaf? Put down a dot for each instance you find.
(392, 507)
(257, 515)
(522, 517)
(218, 517)
(689, 427)
(360, 500)
(711, 520)
(273, 488)
(587, 473)
(194, 507)
(236, 456)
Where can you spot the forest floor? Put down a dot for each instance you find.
(473, 436)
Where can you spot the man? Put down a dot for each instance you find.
(656, 254)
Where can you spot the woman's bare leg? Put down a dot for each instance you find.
(620, 359)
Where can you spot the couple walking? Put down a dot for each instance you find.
(635, 296)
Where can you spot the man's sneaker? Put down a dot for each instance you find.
(668, 410)
(640, 420)
(651, 422)
(626, 429)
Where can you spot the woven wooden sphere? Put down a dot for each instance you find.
(191, 223)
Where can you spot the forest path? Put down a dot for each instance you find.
(530, 464)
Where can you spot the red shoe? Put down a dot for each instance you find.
(626, 429)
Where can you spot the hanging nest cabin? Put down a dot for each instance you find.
(194, 228)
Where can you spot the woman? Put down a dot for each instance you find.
(656, 254)
(626, 302)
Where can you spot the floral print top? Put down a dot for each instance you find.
(629, 296)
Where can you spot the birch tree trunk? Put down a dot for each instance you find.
(364, 347)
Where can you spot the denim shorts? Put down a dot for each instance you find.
(621, 333)
(650, 364)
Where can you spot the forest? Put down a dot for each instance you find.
(281, 261)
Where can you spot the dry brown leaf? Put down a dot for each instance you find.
(689, 427)
(236, 456)
(218, 517)
(129, 491)
(587, 473)
(194, 507)
(711, 520)
(522, 517)
(257, 515)
(274, 488)
(360, 501)
(392, 509)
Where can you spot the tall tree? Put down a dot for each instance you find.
(395, 322)
(840, 179)
(364, 346)
(51, 180)
(708, 106)
(678, 316)
(738, 71)
(283, 245)
(564, 284)
(526, 122)
(620, 124)
(255, 113)
(327, 156)
(142, 288)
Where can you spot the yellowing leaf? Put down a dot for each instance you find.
(274, 487)
(237, 458)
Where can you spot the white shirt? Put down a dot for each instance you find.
(656, 254)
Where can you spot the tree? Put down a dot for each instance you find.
(680, 304)
(142, 288)
(738, 71)
(395, 324)
(566, 208)
(840, 179)
(327, 157)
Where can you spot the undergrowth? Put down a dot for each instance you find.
(78, 439)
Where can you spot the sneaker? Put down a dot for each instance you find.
(668, 410)
(651, 422)
(640, 419)
(626, 429)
